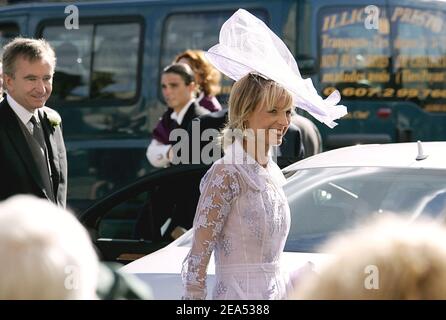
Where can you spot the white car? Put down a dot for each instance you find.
(329, 193)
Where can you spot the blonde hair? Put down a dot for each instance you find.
(30, 49)
(390, 258)
(46, 253)
(206, 76)
(250, 93)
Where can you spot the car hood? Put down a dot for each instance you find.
(161, 270)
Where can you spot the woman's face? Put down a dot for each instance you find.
(270, 124)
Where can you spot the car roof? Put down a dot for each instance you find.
(401, 155)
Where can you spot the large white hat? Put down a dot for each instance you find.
(247, 45)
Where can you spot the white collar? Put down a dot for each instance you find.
(254, 174)
(180, 115)
(200, 96)
(236, 154)
(21, 112)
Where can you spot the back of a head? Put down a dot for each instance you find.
(67, 54)
(207, 76)
(390, 258)
(46, 253)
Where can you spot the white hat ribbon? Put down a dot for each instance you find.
(247, 45)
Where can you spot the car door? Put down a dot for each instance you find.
(145, 215)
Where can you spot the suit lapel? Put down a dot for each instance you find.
(52, 149)
(18, 140)
(189, 116)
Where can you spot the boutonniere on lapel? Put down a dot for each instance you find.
(53, 117)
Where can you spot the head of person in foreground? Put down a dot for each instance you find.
(46, 253)
(388, 258)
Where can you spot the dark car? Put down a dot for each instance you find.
(146, 214)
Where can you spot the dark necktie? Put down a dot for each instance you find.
(44, 166)
(38, 134)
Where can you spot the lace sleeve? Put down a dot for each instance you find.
(219, 188)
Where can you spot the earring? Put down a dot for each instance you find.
(245, 130)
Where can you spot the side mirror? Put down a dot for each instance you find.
(307, 64)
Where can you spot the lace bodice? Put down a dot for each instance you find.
(243, 216)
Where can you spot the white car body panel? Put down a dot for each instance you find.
(378, 155)
(161, 270)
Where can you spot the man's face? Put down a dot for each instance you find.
(175, 91)
(32, 83)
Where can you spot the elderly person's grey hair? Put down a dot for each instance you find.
(45, 252)
(390, 258)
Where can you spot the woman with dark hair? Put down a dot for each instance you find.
(178, 87)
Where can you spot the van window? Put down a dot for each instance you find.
(403, 59)
(190, 31)
(73, 51)
(8, 31)
(95, 62)
(184, 31)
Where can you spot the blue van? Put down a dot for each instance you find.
(388, 61)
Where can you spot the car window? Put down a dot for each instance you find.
(329, 200)
(148, 215)
(155, 211)
(120, 221)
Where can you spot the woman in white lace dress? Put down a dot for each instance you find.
(243, 215)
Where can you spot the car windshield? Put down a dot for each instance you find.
(325, 201)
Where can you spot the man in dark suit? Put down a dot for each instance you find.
(1, 82)
(290, 151)
(32, 151)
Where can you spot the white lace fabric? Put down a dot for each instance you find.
(244, 217)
